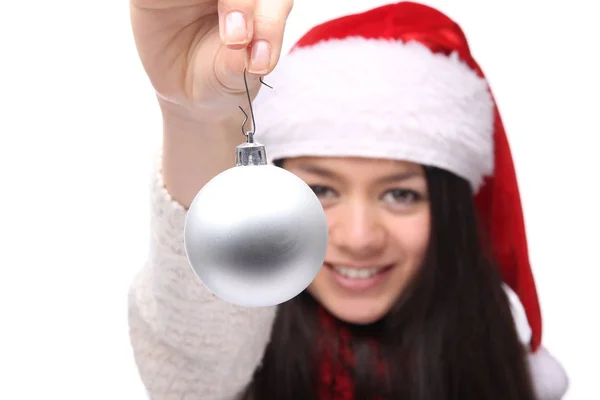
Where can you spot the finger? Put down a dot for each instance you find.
(270, 17)
(236, 22)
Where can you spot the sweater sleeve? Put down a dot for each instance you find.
(187, 343)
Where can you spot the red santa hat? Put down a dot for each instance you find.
(399, 82)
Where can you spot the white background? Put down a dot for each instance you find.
(79, 126)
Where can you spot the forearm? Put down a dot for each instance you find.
(196, 148)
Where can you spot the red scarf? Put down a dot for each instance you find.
(336, 381)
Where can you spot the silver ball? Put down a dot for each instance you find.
(256, 235)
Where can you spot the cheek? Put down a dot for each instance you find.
(411, 235)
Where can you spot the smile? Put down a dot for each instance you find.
(357, 273)
(357, 279)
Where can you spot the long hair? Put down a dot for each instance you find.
(451, 336)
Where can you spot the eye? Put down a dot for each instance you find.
(322, 192)
(402, 196)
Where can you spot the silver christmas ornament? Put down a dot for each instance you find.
(255, 235)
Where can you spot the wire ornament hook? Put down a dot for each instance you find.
(250, 134)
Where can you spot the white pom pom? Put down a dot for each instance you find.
(550, 380)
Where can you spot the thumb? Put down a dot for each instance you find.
(229, 71)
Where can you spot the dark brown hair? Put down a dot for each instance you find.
(450, 337)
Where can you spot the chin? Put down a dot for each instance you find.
(358, 318)
(363, 308)
(357, 311)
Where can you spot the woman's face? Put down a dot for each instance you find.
(379, 222)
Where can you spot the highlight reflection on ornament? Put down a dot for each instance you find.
(256, 234)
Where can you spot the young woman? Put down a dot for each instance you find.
(426, 291)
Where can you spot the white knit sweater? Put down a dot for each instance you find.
(187, 343)
(190, 345)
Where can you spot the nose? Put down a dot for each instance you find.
(357, 229)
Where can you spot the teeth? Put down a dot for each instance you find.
(356, 273)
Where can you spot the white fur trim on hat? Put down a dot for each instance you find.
(380, 99)
(519, 316)
(550, 381)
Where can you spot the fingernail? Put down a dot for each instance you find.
(260, 58)
(236, 31)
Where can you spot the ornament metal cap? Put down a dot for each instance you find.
(250, 153)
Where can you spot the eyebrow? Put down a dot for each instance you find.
(399, 177)
(325, 173)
